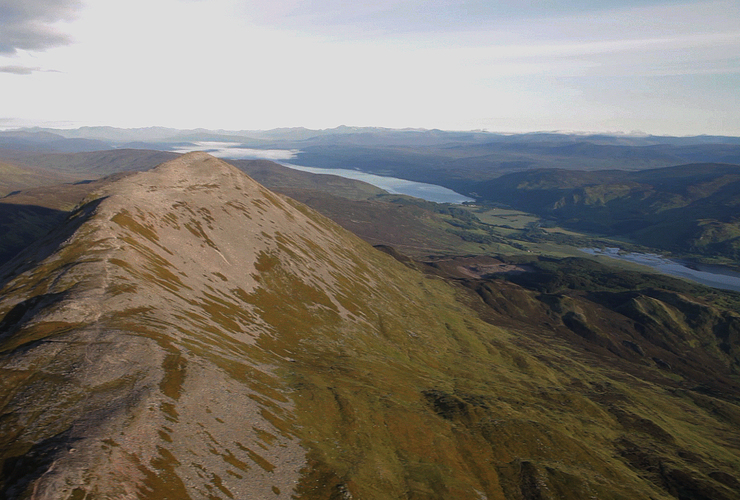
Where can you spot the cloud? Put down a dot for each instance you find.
(371, 18)
(24, 70)
(18, 70)
(29, 24)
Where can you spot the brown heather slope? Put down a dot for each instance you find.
(14, 177)
(87, 165)
(189, 334)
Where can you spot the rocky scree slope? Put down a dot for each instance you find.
(188, 334)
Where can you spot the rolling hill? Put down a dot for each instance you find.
(15, 177)
(88, 164)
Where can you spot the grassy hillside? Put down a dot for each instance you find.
(688, 209)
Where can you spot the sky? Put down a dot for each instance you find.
(630, 66)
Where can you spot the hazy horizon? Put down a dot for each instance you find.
(237, 134)
(619, 67)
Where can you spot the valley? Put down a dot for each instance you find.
(714, 276)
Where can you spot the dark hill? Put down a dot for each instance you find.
(688, 208)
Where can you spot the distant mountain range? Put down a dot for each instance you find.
(86, 138)
(456, 160)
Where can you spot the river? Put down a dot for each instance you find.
(710, 275)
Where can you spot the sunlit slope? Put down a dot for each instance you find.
(189, 334)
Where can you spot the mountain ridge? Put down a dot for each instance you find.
(79, 298)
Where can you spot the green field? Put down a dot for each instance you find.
(505, 217)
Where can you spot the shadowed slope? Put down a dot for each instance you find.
(27, 215)
(687, 208)
(189, 334)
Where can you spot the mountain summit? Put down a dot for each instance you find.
(188, 334)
